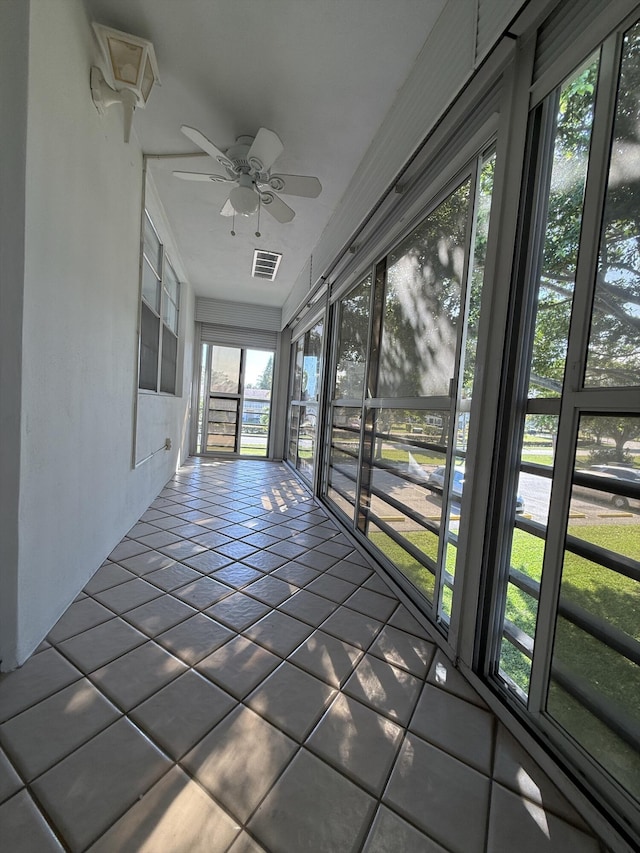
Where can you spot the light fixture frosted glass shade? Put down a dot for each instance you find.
(244, 200)
(131, 62)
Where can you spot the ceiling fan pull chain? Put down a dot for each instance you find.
(258, 234)
(233, 225)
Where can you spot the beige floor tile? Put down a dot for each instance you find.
(148, 561)
(371, 604)
(388, 689)
(515, 769)
(159, 615)
(312, 809)
(42, 675)
(279, 633)
(78, 617)
(240, 760)
(128, 595)
(98, 782)
(270, 590)
(430, 788)
(443, 674)
(329, 586)
(203, 592)
(108, 576)
(133, 677)
(238, 611)
(330, 659)
(195, 638)
(175, 815)
(180, 714)
(47, 732)
(456, 726)
(238, 666)
(23, 829)
(308, 607)
(404, 650)
(100, 645)
(357, 741)
(245, 844)
(352, 627)
(291, 699)
(172, 577)
(10, 782)
(390, 833)
(518, 824)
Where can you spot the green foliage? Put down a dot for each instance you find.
(265, 380)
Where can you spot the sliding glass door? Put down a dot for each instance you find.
(234, 401)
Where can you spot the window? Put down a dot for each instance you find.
(304, 395)
(402, 386)
(234, 400)
(566, 638)
(159, 315)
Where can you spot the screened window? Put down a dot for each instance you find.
(402, 383)
(159, 316)
(566, 643)
(304, 397)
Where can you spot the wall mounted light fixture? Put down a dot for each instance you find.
(132, 68)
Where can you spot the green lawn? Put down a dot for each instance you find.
(597, 590)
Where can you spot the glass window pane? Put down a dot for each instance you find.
(422, 303)
(150, 287)
(296, 379)
(222, 425)
(614, 340)
(312, 363)
(521, 607)
(562, 231)
(420, 575)
(152, 246)
(353, 336)
(225, 370)
(169, 362)
(171, 283)
(256, 410)
(149, 348)
(597, 638)
(202, 397)
(306, 451)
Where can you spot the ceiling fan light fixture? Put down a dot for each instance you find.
(244, 200)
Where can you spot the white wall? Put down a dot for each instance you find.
(78, 491)
(14, 35)
(461, 38)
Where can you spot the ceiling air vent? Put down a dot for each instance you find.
(265, 264)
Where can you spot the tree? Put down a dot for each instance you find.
(265, 380)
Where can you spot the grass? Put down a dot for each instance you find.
(605, 594)
(538, 458)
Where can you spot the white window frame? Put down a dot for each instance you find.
(167, 280)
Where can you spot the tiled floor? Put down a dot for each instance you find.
(236, 677)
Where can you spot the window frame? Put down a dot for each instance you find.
(576, 399)
(163, 270)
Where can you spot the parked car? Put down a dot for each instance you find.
(603, 491)
(435, 482)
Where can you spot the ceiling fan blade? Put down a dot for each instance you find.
(265, 150)
(301, 185)
(227, 209)
(199, 176)
(276, 207)
(202, 142)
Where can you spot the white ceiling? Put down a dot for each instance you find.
(321, 73)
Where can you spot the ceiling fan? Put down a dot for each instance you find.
(248, 164)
